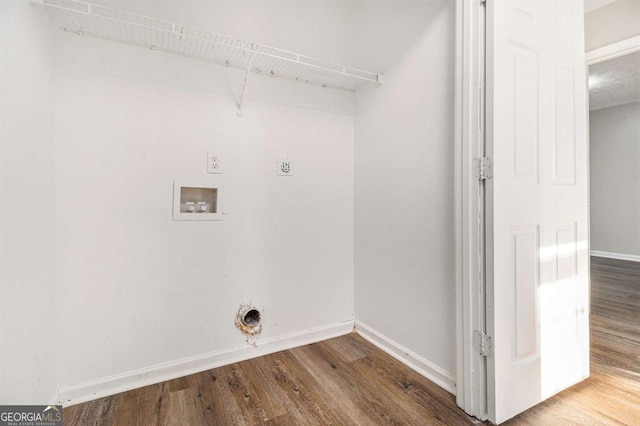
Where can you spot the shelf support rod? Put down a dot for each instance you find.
(244, 83)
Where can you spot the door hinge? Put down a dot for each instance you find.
(483, 343)
(482, 168)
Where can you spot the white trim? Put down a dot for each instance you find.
(618, 256)
(471, 393)
(614, 50)
(459, 214)
(53, 399)
(437, 375)
(83, 392)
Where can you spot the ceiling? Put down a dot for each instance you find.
(615, 82)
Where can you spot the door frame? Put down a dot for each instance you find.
(595, 56)
(471, 389)
(613, 50)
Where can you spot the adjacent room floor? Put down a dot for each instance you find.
(348, 381)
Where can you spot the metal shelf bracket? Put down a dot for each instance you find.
(246, 77)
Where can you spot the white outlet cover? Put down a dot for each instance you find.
(285, 167)
(214, 165)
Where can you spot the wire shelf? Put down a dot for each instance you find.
(118, 25)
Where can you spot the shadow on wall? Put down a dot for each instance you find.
(404, 195)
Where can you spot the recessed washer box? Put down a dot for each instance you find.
(196, 201)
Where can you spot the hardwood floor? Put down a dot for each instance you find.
(342, 381)
(347, 381)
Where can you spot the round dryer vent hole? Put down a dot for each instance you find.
(249, 320)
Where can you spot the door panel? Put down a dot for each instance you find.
(523, 76)
(524, 290)
(537, 230)
(564, 141)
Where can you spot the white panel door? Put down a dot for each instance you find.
(537, 209)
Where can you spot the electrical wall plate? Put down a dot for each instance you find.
(197, 200)
(213, 163)
(285, 167)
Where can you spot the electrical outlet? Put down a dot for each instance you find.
(285, 167)
(213, 163)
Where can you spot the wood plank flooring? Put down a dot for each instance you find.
(347, 381)
(342, 381)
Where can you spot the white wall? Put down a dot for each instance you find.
(615, 179)
(138, 289)
(124, 287)
(404, 229)
(27, 241)
(135, 288)
(614, 22)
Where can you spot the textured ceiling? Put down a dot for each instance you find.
(615, 82)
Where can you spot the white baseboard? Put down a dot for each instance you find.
(619, 256)
(53, 399)
(87, 391)
(409, 358)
